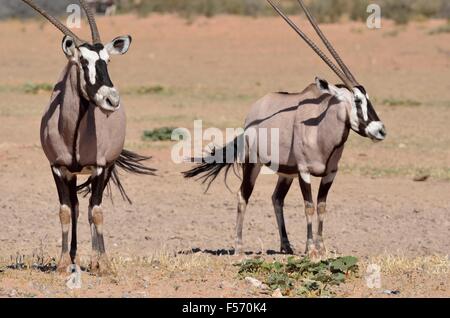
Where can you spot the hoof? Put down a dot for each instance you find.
(311, 251)
(286, 249)
(320, 246)
(64, 263)
(101, 266)
(238, 250)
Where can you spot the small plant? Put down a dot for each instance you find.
(31, 88)
(301, 276)
(158, 134)
(440, 30)
(400, 102)
(146, 90)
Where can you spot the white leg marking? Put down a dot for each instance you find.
(306, 177)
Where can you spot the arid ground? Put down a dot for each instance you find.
(214, 69)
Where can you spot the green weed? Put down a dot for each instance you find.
(301, 276)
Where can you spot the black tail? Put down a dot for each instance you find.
(209, 169)
(129, 162)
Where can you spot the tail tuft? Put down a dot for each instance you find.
(129, 162)
(132, 162)
(210, 167)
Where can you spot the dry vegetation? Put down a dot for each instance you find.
(214, 69)
(165, 274)
(401, 11)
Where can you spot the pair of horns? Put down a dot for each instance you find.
(343, 73)
(89, 14)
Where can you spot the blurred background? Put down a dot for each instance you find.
(401, 11)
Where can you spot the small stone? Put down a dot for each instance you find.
(421, 178)
(391, 292)
(226, 284)
(277, 293)
(256, 283)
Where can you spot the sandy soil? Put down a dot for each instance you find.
(213, 69)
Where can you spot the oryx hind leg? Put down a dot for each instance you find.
(250, 174)
(325, 186)
(281, 190)
(99, 260)
(66, 185)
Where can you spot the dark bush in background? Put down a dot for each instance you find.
(401, 11)
(17, 9)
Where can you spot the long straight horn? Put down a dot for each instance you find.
(91, 19)
(316, 49)
(55, 22)
(327, 43)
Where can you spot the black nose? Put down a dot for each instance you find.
(383, 132)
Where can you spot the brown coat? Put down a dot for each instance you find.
(313, 127)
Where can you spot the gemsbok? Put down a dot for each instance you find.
(83, 133)
(313, 128)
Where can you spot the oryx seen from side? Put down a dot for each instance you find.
(83, 133)
(313, 128)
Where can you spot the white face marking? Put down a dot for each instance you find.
(362, 97)
(92, 57)
(374, 129)
(104, 55)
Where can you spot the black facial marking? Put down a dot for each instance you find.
(101, 71)
(362, 89)
(371, 113)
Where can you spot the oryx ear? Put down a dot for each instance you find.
(68, 46)
(327, 88)
(322, 85)
(119, 45)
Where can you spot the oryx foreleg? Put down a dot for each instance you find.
(325, 186)
(99, 261)
(66, 185)
(250, 174)
(281, 190)
(305, 186)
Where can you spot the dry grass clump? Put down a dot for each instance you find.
(429, 265)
